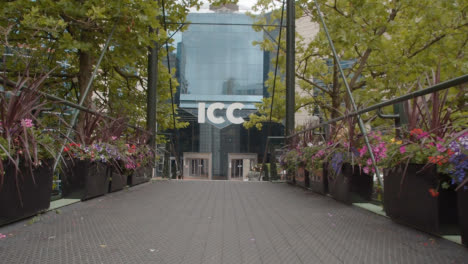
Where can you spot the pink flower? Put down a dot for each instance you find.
(440, 148)
(423, 135)
(366, 170)
(362, 151)
(27, 123)
(402, 149)
(113, 137)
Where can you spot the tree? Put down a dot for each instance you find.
(388, 44)
(76, 32)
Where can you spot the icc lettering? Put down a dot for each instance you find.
(219, 119)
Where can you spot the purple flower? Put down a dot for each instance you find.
(460, 163)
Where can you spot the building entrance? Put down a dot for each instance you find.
(237, 169)
(240, 164)
(197, 165)
(198, 168)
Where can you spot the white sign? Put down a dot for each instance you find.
(219, 119)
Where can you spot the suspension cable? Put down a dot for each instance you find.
(170, 87)
(274, 87)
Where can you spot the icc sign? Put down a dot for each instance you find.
(219, 119)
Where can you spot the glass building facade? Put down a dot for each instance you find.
(217, 62)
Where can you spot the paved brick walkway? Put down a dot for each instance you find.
(219, 222)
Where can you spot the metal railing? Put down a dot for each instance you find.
(357, 112)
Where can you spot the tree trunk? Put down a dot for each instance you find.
(86, 70)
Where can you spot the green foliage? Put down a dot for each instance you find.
(390, 45)
(73, 34)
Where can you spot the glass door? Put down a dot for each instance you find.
(198, 168)
(237, 169)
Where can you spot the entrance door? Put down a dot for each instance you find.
(240, 164)
(237, 166)
(197, 165)
(198, 168)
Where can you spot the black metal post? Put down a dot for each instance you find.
(151, 92)
(290, 66)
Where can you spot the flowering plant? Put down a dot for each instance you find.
(449, 154)
(458, 162)
(314, 156)
(291, 159)
(379, 149)
(137, 155)
(102, 152)
(341, 152)
(21, 139)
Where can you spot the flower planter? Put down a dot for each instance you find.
(302, 177)
(463, 214)
(140, 175)
(350, 184)
(118, 179)
(85, 179)
(318, 180)
(410, 202)
(34, 195)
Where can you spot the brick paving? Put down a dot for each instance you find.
(219, 222)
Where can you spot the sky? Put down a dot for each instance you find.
(244, 5)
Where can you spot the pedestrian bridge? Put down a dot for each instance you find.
(218, 222)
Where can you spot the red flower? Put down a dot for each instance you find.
(416, 131)
(133, 147)
(433, 192)
(450, 152)
(66, 149)
(439, 160)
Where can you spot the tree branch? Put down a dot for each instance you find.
(312, 83)
(427, 45)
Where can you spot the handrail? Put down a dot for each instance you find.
(432, 89)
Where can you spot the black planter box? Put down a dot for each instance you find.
(35, 194)
(463, 214)
(318, 180)
(302, 177)
(85, 179)
(140, 175)
(350, 184)
(118, 179)
(409, 201)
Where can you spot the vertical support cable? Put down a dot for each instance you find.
(83, 96)
(274, 86)
(172, 95)
(350, 94)
(152, 92)
(290, 65)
